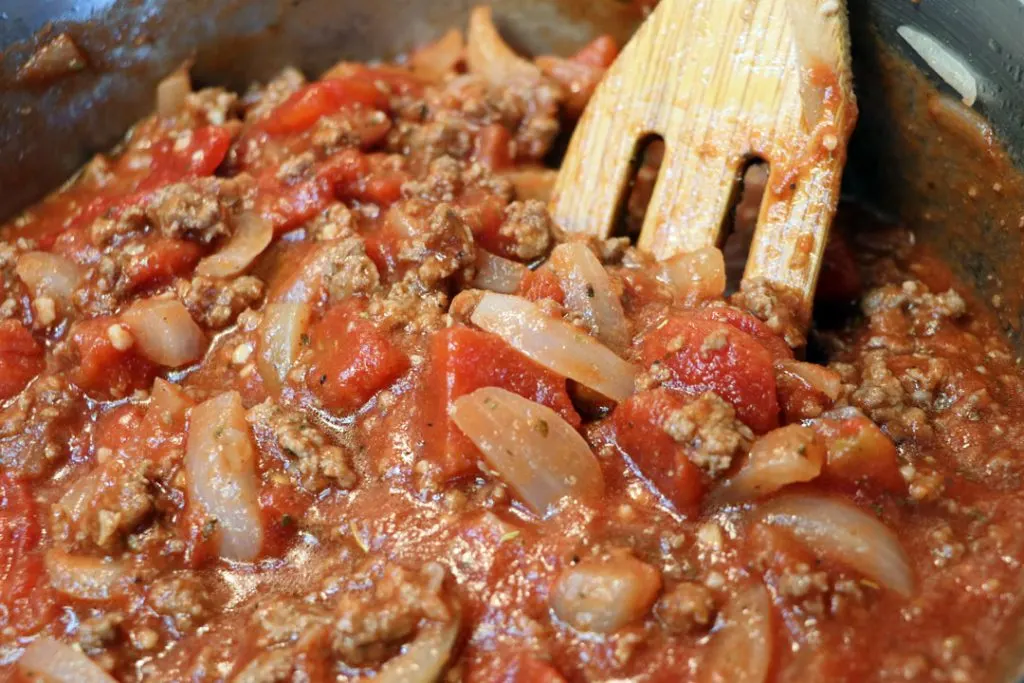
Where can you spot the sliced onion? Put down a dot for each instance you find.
(253, 234)
(537, 453)
(50, 275)
(165, 332)
(781, 457)
(54, 662)
(588, 292)
(532, 182)
(488, 55)
(220, 461)
(602, 595)
(434, 61)
(555, 344)
(497, 274)
(423, 660)
(815, 376)
(172, 91)
(85, 578)
(280, 340)
(697, 275)
(844, 533)
(950, 66)
(742, 644)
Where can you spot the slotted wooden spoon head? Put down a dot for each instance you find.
(723, 82)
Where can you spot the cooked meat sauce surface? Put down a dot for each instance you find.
(305, 384)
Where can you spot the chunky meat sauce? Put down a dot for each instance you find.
(305, 384)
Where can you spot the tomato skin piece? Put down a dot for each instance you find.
(640, 435)
(463, 360)
(103, 371)
(21, 358)
(352, 359)
(752, 325)
(708, 355)
(308, 104)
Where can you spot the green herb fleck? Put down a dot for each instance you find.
(509, 536)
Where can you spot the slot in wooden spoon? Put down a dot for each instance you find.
(723, 82)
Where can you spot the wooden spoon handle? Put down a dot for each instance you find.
(723, 82)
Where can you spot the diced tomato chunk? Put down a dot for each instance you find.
(164, 258)
(859, 453)
(172, 161)
(639, 431)
(484, 213)
(798, 400)
(117, 428)
(464, 360)
(104, 371)
(599, 52)
(366, 177)
(20, 567)
(707, 355)
(541, 284)
(755, 327)
(21, 358)
(307, 105)
(352, 359)
(281, 506)
(289, 206)
(493, 147)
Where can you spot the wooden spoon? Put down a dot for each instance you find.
(723, 82)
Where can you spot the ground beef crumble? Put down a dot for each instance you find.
(317, 460)
(710, 433)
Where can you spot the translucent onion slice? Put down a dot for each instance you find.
(85, 578)
(844, 533)
(588, 292)
(423, 660)
(742, 644)
(165, 332)
(488, 55)
(434, 61)
(783, 456)
(816, 376)
(50, 275)
(532, 182)
(253, 234)
(49, 660)
(497, 274)
(537, 453)
(220, 461)
(555, 344)
(697, 275)
(172, 91)
(602, 595)
(280, 340)
(950, 66)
